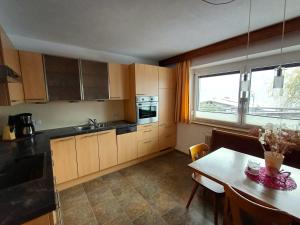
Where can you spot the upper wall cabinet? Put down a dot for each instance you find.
(8, 54)
(94, 80)
(118, 81)
(33, 76)
(62, 75)
(167, 78)
(146, 79)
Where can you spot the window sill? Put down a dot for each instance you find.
(222, 126)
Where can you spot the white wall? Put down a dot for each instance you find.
(64, 114)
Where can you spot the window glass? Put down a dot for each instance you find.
(268, 105)
(217, 97)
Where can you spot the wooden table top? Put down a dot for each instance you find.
(228, 166)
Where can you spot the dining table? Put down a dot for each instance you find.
(226, 166)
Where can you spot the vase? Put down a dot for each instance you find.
(273, 161)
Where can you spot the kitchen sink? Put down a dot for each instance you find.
(90, 127)
(22, 170)
(82, 128)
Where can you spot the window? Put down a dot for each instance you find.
(217, 98)
(267, 105)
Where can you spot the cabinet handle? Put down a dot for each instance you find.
(115, 97)
(146, 142)
(147, 131)
(140, 94)
(87, 135)
(63, 139)
(147, 126)
(101, 133)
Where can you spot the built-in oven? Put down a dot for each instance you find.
(146, 109)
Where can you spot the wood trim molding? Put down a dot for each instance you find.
(274, 30)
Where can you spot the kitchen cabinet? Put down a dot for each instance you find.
(118, 81)
(87, 154)
(32, 69)
(167, 77)
(46, 219)
(108, 151)
(8, 54)
(166, 135)
(64, 159)
(147, 136)
(146, 79)
(11, 93)
(127, 147)
(167, 98)
(166, 105)
(94, 80)
(62, 76)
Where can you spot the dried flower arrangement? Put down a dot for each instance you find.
(278, 139)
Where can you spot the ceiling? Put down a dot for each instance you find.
(150, 29)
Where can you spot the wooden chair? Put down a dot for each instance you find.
(239, 210)
(196, 152)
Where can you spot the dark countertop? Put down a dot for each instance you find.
(26, 201)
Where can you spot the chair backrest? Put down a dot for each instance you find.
(199, 150)
(241, 211)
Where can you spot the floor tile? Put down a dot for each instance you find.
(80, 215)
(152, 192)
(149, 218)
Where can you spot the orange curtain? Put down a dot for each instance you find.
(182, 107)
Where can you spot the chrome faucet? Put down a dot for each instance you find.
(92, 122)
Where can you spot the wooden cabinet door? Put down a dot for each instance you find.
(151, 76)
(166, 105)
(94, 80)
(146, 80)
(8, 54)
(42, 220)
(108, 151)
(167, 135)
(62, 75)
(33, 76)
(64, 159)
(167, 78)
(147, 147)
(118, 81)
(127, 147)
(87, 154)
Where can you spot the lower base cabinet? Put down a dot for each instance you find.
(46, 219)
(147, 147)
(108, 151)
(127, 147)
(64, 159)
(87, 154)
(167, 135)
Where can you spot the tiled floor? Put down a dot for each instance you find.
(151, 193)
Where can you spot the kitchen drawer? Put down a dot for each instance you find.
(147, 147)
(147, 126)
(167, 141)
(148, 133)
(167, 129)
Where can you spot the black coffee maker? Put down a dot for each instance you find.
(22, 124)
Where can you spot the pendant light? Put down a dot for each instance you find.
(279, 71)
(245, 79)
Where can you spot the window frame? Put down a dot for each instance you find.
(196, 101)
(242, 105)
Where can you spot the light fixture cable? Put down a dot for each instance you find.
(220, 3)
(283, 33)
(248, 36)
